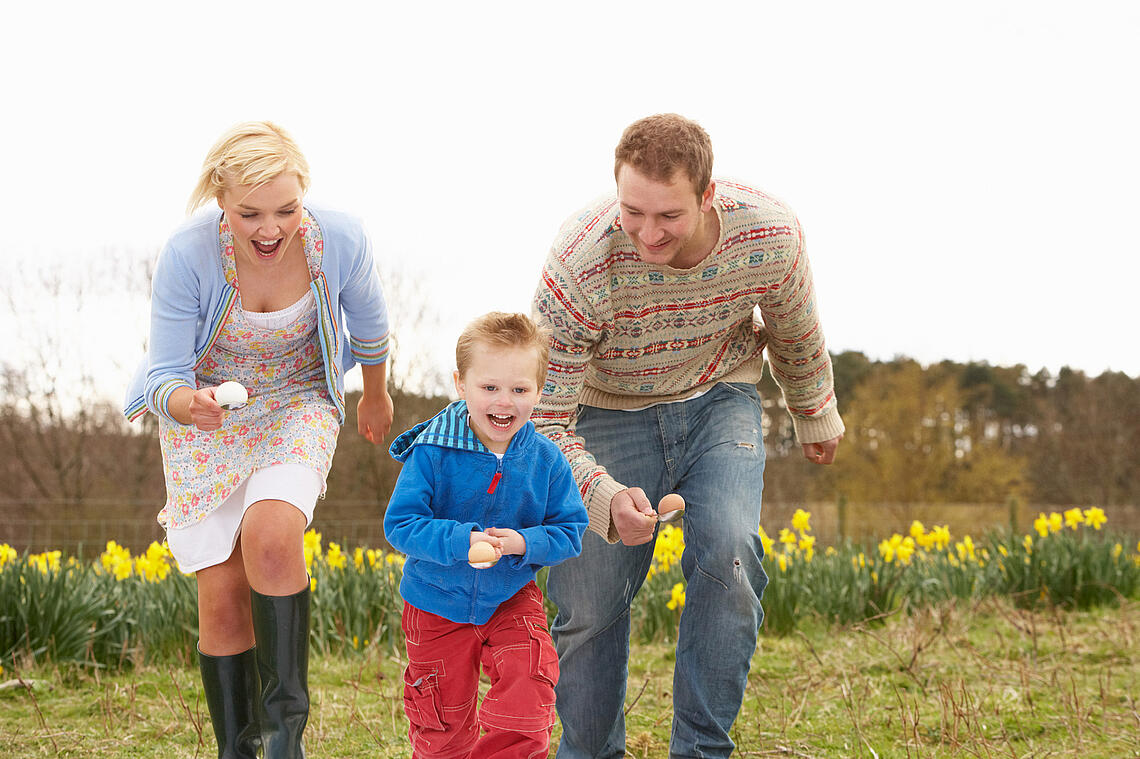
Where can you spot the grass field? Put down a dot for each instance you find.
(985, 679)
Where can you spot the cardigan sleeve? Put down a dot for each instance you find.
(175, 295)
(362, 299)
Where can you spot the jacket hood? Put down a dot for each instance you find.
(449, 429)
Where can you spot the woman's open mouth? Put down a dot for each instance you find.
(267, 249)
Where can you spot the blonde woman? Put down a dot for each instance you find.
(263, 290)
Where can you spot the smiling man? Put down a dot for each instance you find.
(662, 302)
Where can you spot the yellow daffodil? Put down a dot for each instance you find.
(1041, 524)
(766, 541)
(1028, 543)
(153, 565)
(787, 537)
(1054, 522)
(7, 555)
(905, 549)
(336, 557)
(801, 521)
(917, 530)
(1095, 517)
(1074, 518)
(312, 549)
(677, 597)
(782, 560)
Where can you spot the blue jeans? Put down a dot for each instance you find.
(710, 450)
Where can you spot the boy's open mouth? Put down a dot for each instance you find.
(502, 421)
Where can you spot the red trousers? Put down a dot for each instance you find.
(441, 683)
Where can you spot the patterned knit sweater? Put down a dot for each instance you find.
(627, 334)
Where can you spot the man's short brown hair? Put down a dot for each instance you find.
(502, 330)
(657, 146)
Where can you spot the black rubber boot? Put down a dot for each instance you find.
(281, 628)
(232, 691)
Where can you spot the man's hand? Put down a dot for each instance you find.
(633, 516)
(822, 453)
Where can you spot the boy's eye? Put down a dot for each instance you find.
(248, 215)
(490, 388)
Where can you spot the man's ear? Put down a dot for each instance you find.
(707, 197)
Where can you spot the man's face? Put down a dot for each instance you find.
(663, 219)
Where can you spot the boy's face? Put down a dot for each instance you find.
(501, 388)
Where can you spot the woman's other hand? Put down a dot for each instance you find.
(374, 416)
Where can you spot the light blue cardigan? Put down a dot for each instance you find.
(190, 300)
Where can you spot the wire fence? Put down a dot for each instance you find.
(831, 522)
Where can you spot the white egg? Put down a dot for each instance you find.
(231, 395)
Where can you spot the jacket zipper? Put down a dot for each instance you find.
(490, 491)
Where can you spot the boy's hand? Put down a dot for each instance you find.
(511, 541)
(488, 537)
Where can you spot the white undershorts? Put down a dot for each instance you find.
(212, 540)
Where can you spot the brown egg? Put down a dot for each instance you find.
(482, 553)
(670, 503)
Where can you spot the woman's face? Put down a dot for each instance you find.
(264, 220)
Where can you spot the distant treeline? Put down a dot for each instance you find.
(947, 433)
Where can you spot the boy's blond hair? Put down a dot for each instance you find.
(250, 153)
(657, 146)
(502, 330)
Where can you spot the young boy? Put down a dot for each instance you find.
(478, 472)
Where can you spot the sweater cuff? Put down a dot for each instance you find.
(598, 507)
(827, 427)
(368, 352)
(161, 397)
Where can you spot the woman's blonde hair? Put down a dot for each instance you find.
(251, 153)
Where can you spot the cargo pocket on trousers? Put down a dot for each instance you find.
(543, 657)
(422, 701)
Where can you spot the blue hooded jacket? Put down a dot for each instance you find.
(451, 485)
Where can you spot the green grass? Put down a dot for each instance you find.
(966, 679)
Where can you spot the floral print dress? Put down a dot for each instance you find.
(290, 417)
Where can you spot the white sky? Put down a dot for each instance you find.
(967, 173)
